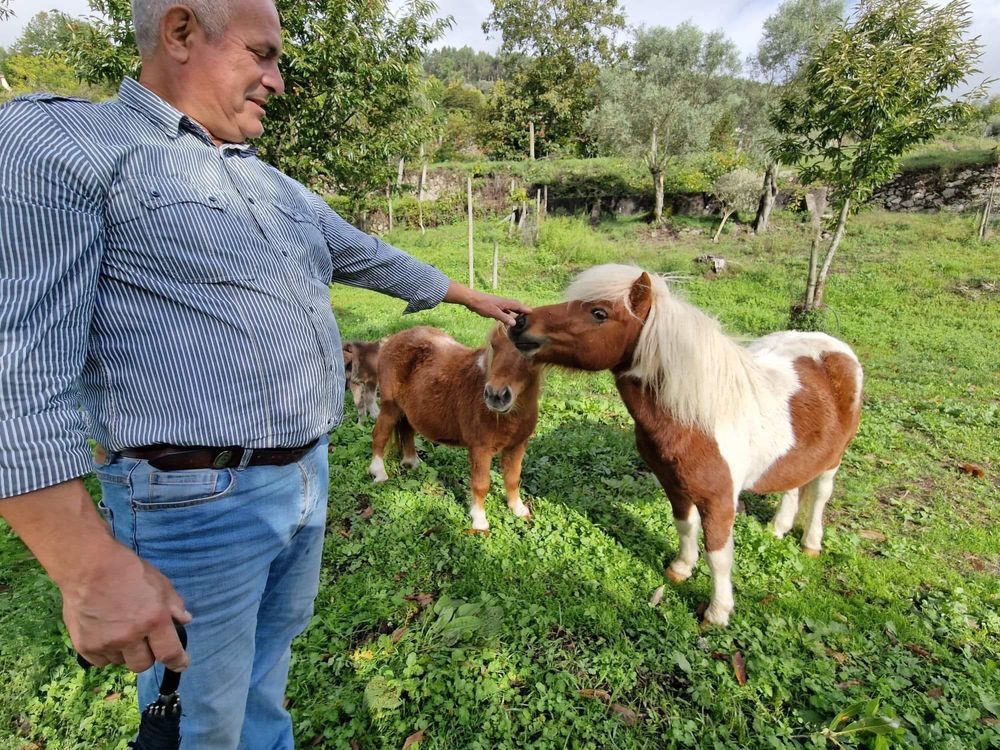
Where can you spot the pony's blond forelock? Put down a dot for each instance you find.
(697, 372)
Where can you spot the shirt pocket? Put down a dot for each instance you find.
(167, 226)
(304, 230)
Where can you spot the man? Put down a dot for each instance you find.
(167, 294)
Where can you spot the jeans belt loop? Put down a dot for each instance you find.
(247, 455)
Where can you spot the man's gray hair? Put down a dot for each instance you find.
(213, 15)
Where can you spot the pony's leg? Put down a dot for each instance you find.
(407, 445)
(687, 556)
(718, 523)
(819, 491)
(359, 401)
(785, 516)
(372, 397)
(510, 461)
(479, 483)
(384, 426)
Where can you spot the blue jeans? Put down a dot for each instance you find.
(242, 547)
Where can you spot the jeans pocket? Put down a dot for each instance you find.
(107, 514)
(167, 490)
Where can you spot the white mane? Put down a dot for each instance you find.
(697, 372)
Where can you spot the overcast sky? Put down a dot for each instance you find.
(742, 21)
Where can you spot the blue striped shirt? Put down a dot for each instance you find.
(156, 288)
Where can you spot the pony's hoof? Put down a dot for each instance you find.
(712, 618)
(379, 478)
(410, 463)
(809, 551)
(778, 532)
(521, 511)
(675, 577)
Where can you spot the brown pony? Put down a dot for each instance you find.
(361, 373)
(484, 399)
(712, 418)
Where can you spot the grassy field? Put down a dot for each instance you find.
(541, 635)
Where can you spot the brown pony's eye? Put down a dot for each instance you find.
(599, 313)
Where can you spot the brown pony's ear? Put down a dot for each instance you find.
(640, 297)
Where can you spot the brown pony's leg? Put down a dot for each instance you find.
(688, 524)
(407, 446)
(479, 482)
(717, 515)
(357, 393)
(384, 426)
(510, 461)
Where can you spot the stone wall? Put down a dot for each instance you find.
(957, 189)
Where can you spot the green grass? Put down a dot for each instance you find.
(560, 604)
(952, 153)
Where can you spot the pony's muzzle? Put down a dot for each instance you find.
(498, 400)
(517, 333)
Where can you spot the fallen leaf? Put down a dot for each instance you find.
(657, 596)
(344, 533)
(872, 535)
(847, 684)
(399, 576)
(989, 721)
(588, 693)
(398, 633)
(366, 513)
(740, 668)
(918, 650)
(935, 693)
(972, 469)
(355, 745)
(4, 588)
(422, 599)
(624, 713)
(976, 563)
(768, 599)
(111, 697)
(429, 530)
(837, 656)
(413, 739)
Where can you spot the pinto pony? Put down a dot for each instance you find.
(361, 373)
(712, 418)
(484, 399)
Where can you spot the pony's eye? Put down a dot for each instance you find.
(599, 313)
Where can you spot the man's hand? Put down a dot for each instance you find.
(118, 609)
(487, 305)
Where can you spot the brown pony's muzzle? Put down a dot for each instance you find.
(518, 334)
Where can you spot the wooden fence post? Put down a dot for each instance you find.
(496, 262)
(471, 265)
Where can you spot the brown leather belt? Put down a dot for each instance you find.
(180, 457)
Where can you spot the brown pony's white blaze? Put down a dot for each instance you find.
(361, 374)
(712, 418)
(484, 399)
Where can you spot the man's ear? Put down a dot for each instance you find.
(176, 27)
(641, 296)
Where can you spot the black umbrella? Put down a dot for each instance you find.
(160, 725)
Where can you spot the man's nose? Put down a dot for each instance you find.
(273, 81)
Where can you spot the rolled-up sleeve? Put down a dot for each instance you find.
(364, 261)
(50, 250)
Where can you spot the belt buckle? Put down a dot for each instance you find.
(222, 459)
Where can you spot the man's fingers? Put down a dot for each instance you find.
(138, 657)
(166, 648)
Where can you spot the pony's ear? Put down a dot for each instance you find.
(640, 297)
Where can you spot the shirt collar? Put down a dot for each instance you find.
(170, 120)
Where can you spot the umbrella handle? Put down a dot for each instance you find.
(175, 679)
(171, 679)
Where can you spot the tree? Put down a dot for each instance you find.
(790, 35)
(555, 50)
(5, 11)
(736, 191)
(665, 99)
(878, 87)
(463, 64)
(353, 103)
(47, 33)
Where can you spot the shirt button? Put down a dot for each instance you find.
(211, 199)
(155, 193)
(250, 200)
(284, 253)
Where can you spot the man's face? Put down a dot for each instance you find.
(236, 73)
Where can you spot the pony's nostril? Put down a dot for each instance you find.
(506, 395)
(520, 323)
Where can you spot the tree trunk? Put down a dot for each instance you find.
(658, 186)
(987, 217)
(388, 198)
(399, 172)
(496, 263)
(595, 212)
(834, 244)
(531, 139)
(725, 215)
(767, 199)
(3, 83)
(816, 203)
